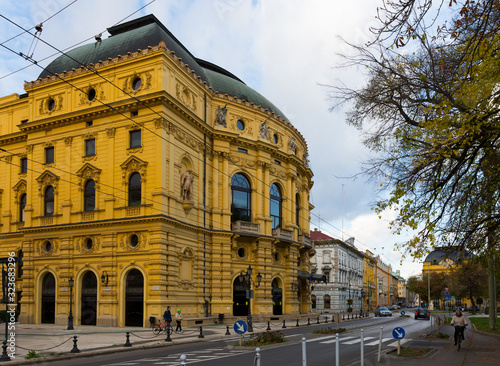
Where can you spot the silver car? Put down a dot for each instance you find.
(382, 311)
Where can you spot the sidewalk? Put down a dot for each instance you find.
(478, 349)
(55, 342)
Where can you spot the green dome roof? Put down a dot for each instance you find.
(148, 31)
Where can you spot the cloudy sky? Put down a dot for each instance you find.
(285, 49)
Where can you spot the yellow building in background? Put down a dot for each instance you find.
(149, 178)
(370, 297)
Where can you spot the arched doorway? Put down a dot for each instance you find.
(134, 299)
(277, 296)
(48, 298)
(240, 302)
(89, 299)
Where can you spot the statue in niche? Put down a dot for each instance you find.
(187, 186)
(220, 116)
(306, 159)
(264, 131)
(291, 145)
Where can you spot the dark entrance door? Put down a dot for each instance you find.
(134, 299)
(277, 296)
(240, 302)
(89, 299)
(48, 298)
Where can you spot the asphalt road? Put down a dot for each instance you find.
(320, 349)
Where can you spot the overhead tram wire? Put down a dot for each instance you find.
(42, 22)
(134, 98)
(67, 48)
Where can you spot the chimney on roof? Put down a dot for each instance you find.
(315, 229)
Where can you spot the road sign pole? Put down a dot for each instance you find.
(241, 336)
(399, 347)
(337, 358)
(380, 344)
(362, 348)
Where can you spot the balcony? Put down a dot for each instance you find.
(245, 227)
(281, 233)
(305, 241)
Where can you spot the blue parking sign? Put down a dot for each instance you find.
(398, 333)
(240, 327)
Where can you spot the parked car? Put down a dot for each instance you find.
(393, 307)
(422, 313)
(382, 311)
(471, 308)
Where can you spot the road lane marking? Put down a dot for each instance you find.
(357, 340)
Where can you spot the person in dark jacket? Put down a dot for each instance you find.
(167, 316)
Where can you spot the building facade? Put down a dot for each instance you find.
(147, 178)
(342, 264)
(370, 296)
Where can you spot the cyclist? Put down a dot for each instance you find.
(460, 323)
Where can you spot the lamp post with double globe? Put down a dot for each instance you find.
(247, 279)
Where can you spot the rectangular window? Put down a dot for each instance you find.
(24, 165)
(89, 123)
(135, 139)
(49, 155)
(90, 147)
(242, 150)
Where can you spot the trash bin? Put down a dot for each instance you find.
(152, 320)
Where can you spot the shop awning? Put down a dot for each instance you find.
(311, 277)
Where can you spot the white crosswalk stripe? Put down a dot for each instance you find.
(374, 343)
(358, 340)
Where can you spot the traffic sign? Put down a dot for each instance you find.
(402, 312)
(240, 327)
(398, 333)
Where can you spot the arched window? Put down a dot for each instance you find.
(240, 198)
(89, 196)
(22, 206)
(326, 299)
(276, 206)
(48, 209)
(134, 190)
(297, 210)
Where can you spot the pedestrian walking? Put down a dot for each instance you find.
(167, 316)
(178, 319)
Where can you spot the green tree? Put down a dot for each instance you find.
(469, 279)
(431, 113)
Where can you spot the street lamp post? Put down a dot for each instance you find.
(70, 316)
(247, 278)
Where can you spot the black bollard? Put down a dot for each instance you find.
(308, 321)
(127, 343)
(297, 323)
(75, 348)
(343, 317)
(317, 322)
(326, 319)
(201, 332)
(168, 331)
(5, 355)
(284, 326)
(268, 325)
(227, 331)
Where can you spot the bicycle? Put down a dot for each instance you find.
(162, 327)
(460, 335)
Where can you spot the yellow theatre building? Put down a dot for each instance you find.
(146, 178)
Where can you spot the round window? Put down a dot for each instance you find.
(241, 253)
(136, 83)
(47, 246)
(241, 125)
(134, 241)
(51, 104)
(275, 138)
(91, 94)
(88, 244)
